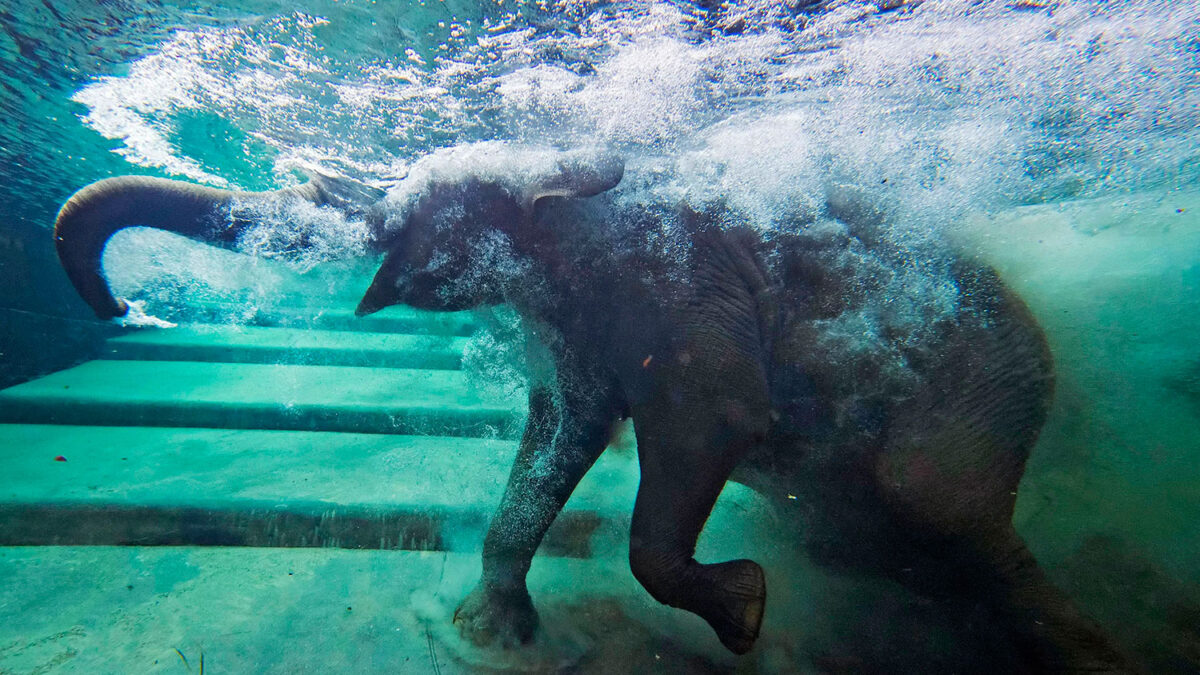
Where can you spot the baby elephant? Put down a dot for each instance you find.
(894, 392)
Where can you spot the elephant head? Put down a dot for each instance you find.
(95, 213)
(453, 243)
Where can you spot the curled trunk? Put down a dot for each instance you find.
(92, 215)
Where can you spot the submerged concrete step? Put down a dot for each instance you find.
(186, 486)
(297, 610)
(259, 396)
(396, 319)
(255, 344)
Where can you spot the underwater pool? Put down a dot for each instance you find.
(873, 324)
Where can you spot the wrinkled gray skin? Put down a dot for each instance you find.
(710, 339)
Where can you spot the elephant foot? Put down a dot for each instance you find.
(488, 616)
(731, 599)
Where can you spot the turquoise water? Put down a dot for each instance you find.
(1057, 141)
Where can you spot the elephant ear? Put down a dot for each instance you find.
(578, 173)
(352, 197)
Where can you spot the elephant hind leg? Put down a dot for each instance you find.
(953, 494)
(1045, 627)
(948, 477)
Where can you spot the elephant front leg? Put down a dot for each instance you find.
(686, 455)
(562, 439)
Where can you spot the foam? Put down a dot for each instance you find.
(170, 274)
(136, 316)
(514, 166)
(953, 101)
(299, 233)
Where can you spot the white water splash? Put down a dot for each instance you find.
(300, 233)
(136, 316)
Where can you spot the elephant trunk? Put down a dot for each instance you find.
(92, 215)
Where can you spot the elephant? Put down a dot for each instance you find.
(735, 352)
